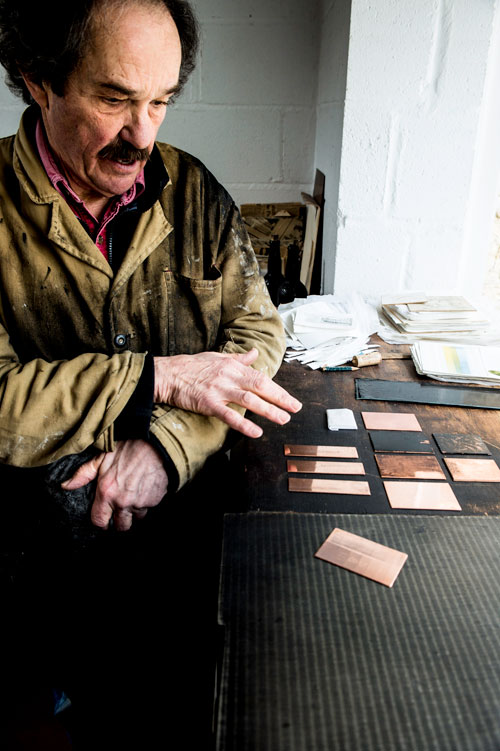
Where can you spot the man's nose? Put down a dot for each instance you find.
(139, 129)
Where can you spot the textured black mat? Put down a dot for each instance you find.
(317, 658)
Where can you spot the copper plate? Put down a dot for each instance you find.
(415, 466)
(390, 421)
(334, 452)
(326, 468)
(362, 556)
(435, 496)
(473, 470)
(317, 485)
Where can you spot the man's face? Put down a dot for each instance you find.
(116, 98)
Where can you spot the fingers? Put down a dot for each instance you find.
(261, 385)
(129, 481)
(102, 512)
(238, 422)
(84, 474)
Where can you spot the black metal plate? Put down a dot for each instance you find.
(461, 443)
(398, 441)
(426, 393)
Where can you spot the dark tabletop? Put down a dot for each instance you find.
(264, 482)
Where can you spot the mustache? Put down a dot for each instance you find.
(120, 150)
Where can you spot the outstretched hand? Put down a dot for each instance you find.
(130, 480)
(208, 382)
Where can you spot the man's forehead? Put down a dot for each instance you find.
(132, 49)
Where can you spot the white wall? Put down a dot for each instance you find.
(415, 89)
(396, 101)
(249, 113)
(334, 20)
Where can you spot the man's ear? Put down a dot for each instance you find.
(38, 91)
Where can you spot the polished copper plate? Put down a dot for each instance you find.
(362, 556)
(326, 468)
(390, 421)
(473, 470)
(411, 466)
(434, 496)
(317, 485)
(334, 452)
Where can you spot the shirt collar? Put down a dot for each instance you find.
(60, 181)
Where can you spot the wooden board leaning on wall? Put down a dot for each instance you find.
(292, 222)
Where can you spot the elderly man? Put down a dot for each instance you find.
(134, 327)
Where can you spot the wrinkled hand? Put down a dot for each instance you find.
(130, 480)
(208, 382)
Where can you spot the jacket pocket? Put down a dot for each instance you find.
(194, 310)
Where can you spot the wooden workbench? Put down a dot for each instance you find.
(264, 482)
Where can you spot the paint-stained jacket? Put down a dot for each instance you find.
(188, 283)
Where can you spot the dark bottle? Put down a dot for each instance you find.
(274, 277)
(292, 271)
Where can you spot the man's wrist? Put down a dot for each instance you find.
(135, 418)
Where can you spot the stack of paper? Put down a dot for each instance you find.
(410, 317)
(325, 331)
(446, 361)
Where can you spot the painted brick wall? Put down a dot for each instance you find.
(250, 113)
(249, 110)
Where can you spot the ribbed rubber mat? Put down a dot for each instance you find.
(319, 659)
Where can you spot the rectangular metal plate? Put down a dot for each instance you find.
(361, 556)
(461, 443)
(398, 441)
(432, 496)
(334, 452)
(390, 421)
(326, 468)
(416, 467)
(338, 487)
(473, 470)
(427, 393)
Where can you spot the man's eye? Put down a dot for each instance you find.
(160, 103)
(112, 100)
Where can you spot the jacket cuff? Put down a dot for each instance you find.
(170, 468)
(134, 420)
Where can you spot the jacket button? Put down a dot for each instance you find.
(120, 340)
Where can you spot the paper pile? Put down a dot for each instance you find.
(446, 361)
(410, 317)
(325, 331)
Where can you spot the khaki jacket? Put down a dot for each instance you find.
(188, 283)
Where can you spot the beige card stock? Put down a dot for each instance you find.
(362, 556)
